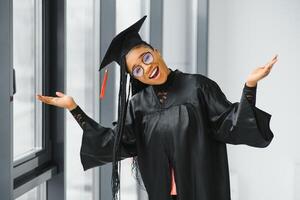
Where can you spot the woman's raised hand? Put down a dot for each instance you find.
(261, 72)
(62, 100)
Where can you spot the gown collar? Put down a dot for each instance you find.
(167, 83)
(165, 87)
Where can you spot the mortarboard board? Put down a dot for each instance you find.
(123, 43)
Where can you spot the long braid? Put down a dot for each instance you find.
(120, 126)
(135, 86)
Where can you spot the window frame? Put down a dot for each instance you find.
(35, 159)
(45, 166)
(39, 68)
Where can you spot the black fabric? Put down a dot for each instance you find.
(250, 93)
(189, 131)
(137, 85)
(165, 86)
(174, 197)
(163, 89)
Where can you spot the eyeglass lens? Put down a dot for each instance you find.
(138, 71)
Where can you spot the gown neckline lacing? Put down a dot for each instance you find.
(162, 91)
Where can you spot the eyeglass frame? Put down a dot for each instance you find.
(139, 66)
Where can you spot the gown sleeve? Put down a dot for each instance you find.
(236, 123)
(97, 140)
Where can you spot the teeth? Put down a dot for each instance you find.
(154, 71)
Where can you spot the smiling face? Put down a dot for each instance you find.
(152, 72)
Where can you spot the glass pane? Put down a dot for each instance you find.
(37, 193)
(31, 195)
(81, 71)
(180, 34)
(27, 58)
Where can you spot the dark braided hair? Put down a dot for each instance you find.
(136, 86)
(115, 182)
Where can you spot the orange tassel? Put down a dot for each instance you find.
(173, 184)
(102, 94)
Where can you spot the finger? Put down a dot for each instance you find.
(272, 60)
(269, 67)
(275, 57)
(271, 63)
(60, 94)
(39, 97)
(47, 99)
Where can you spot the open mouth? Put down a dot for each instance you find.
(154, 73)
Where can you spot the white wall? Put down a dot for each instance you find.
(242, 36)
(179, 34)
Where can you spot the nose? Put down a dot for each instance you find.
(148, 69)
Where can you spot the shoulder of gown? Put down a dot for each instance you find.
(234, 123)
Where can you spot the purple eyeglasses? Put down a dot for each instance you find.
(138, 70)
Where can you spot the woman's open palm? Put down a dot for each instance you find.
(261, 72)
(62, 100)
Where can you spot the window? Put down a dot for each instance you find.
(31, 149)
(37, 193)
(29, 46)
(28, 65)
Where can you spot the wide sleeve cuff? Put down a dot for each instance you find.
(250, 93)
(79, 116)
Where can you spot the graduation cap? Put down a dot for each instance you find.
(123, 43)
(117, 50)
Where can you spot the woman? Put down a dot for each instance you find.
(175, 124)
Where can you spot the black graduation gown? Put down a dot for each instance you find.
(187, 131)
